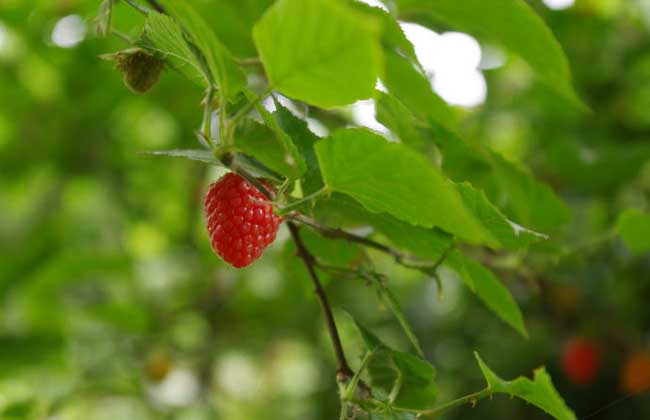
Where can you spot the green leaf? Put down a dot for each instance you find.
(528, 200)
(539, 392)
(505, 232)
(421, 242)
(413, 190)
(319, 51)
(489, 289)
(510, 22)
(191, 154)
(408, 84)
(634, 227)
(338, 253)
(233, 22)
(291, 156)
(409, 379)
(229, 77)
(261, 142)
(392, 35)
(163, 36)
(305, 141)
(389, 177)
(250, 164)
(393, 114)
(396, 309)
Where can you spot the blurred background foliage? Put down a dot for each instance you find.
(113, 306)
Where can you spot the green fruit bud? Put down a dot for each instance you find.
(140, 70)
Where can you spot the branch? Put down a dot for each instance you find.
(343, 371)
(401, 258)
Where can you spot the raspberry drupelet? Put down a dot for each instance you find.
(239, 224)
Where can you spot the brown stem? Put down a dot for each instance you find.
(343, 371)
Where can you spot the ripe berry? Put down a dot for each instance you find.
(635, 374)
(240, 225)
(581, 361)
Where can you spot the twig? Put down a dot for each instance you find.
(471, 399)
(336, 233)
(401, 258)
(343, 371)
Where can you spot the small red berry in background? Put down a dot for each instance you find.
(635, 374)
(581, 361)
(239, 223)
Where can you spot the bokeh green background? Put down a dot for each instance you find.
(113, 306)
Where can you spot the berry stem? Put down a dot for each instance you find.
(343, 371)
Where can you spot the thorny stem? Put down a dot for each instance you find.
(343, 371)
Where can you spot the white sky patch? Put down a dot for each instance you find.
(453, 59)
(466, 88)
(69, 31)
(375, 3)
(559, 4)
(363, 113)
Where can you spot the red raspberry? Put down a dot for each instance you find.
(581, 361)
(240, 227)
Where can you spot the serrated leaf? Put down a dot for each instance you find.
(163, 36)
(528, 200)
(391, 178)
(223, 70)
(261, 142)
(489, 289)
(513, 23)
(539, 392)
(355, 162)
(305, 141)
(507, 233)
(634, 227)
(318, 51)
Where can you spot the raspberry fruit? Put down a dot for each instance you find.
(635, 374)
(581, 361)
(239, 224)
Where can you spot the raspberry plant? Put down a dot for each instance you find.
(424, 207)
